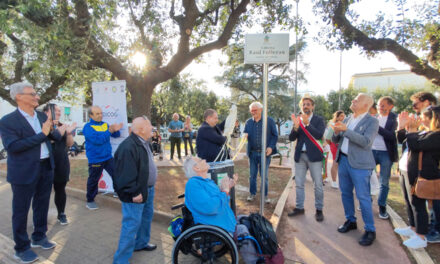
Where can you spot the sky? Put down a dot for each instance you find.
(324, 66)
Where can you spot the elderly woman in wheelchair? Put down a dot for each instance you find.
(209, 225)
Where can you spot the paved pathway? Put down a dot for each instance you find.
(306, 241)
(90, 237)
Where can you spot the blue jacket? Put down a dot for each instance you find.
(23, 147)
(316, 128)
(208, 204)
(210, 141)
(97, 136)
(271, 136)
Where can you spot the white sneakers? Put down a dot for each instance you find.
(405, 231)
(250, 198)
(335, 185)
(415, 241)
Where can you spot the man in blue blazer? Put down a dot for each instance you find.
(26, 136)
(385, 149)
(308, 129)
(356, 162)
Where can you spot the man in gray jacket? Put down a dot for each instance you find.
(355, 137)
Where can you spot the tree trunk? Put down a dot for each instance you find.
(141, 98)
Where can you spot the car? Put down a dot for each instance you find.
(79, 137)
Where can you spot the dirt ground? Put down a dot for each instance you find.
(171, 182)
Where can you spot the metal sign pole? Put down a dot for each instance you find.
(264, 139)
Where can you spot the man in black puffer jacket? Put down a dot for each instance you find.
(134, 178)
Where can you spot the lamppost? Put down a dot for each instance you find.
(296, 60)
(340, 77)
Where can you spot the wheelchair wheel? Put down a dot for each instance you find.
(205, 244)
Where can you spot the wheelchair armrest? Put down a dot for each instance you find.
(177, 206)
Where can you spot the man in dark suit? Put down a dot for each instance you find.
(210, 141)
(25, 134)
(308, 129)
(385, 149)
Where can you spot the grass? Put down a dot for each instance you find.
(171, 183)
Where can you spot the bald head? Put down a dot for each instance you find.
(362, 103)
(95, 113)
(141, 126)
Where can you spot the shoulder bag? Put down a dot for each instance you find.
(424, 188)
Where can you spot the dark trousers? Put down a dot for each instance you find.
(95, 172)
(175, 141)
(189, 141)
(156, 148)
(415, 207)
(38, 193)
(60, 196)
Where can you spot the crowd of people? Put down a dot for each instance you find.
(359, 142)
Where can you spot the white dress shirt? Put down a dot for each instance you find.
(35, 124)
(351, 124)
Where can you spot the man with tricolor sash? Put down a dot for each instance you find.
(308, 129)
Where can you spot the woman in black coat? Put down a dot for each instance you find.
(62, 164)
(413, 143)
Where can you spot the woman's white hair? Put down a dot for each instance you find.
(17, 88)
(257, 104)
(188, 167)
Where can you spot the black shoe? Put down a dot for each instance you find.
(347, 226)
(296, 212)
(383, 212)
(368, 238)
(149, 247)
(319, 216)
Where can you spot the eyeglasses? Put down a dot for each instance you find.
(415, 104)
(31, 94)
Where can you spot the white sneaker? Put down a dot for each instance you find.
(416, 242)
(250, 198)
(405, 231)
(267, 200)
(335, 185)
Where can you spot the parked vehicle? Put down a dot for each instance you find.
(3, 153)
(79, 138)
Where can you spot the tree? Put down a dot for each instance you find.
(246, 82)
(403, 37)
(185, 96)
(171, 33)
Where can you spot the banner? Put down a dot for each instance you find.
(110, 96)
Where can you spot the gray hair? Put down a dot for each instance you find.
(257, 104)
(188, 167)
(368, 99)
(17, 88)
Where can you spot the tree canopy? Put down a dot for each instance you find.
(61, 38)
(246, 82)
(413, 40)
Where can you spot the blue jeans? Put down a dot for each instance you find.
(383, 159)
(136, 227)
(350, 177)
(255, 166)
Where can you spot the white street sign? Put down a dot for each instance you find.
(266, 48)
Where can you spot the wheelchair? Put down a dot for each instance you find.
(202, 243)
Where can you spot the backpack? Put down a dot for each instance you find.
(263, 232)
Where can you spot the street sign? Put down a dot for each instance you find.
(266, 48)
